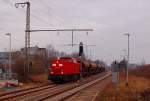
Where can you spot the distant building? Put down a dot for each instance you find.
(3, 63)
(4, 56)
(35, 51)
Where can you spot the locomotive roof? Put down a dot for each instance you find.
(65, 58)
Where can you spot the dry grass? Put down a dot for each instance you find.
(141, 71)
(130, 93)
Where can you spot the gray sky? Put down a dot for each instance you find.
(110, 19)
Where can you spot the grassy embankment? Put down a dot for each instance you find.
(138, 89)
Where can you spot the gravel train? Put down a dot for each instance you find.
(67, 69)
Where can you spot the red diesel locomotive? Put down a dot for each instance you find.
(67, 69)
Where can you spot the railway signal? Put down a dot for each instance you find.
(80, 49)
(84, 46)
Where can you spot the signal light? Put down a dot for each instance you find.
(62, 72)
(53, 64)
(52, 72)
(80, 49)
(60, 65)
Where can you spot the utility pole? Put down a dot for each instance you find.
(128, 35)
(81, 57)
(63, 30)
(10, 69)
(27, 38)
(72, 38)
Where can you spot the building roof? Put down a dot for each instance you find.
(4, 55)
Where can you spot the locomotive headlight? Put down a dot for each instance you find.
(52, 72)
(53, 64)
(60, 65)
(62, 72)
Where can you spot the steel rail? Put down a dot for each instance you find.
(56, 93)
(76, 89)
(15, 94)
(22, 89)
(52, 92)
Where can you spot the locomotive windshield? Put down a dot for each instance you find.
(65, 58)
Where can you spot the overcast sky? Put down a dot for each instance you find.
(110, 19)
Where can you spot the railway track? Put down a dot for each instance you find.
(67, 94)
(21, 92)
(52, 92)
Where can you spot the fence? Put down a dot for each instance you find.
(5, 76)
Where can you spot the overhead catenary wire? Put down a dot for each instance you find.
(49, 12)
(36, 18)
(40, 13)
(39, 19)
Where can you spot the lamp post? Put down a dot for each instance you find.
(124, 55)
(9, 71)
(128, 35)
